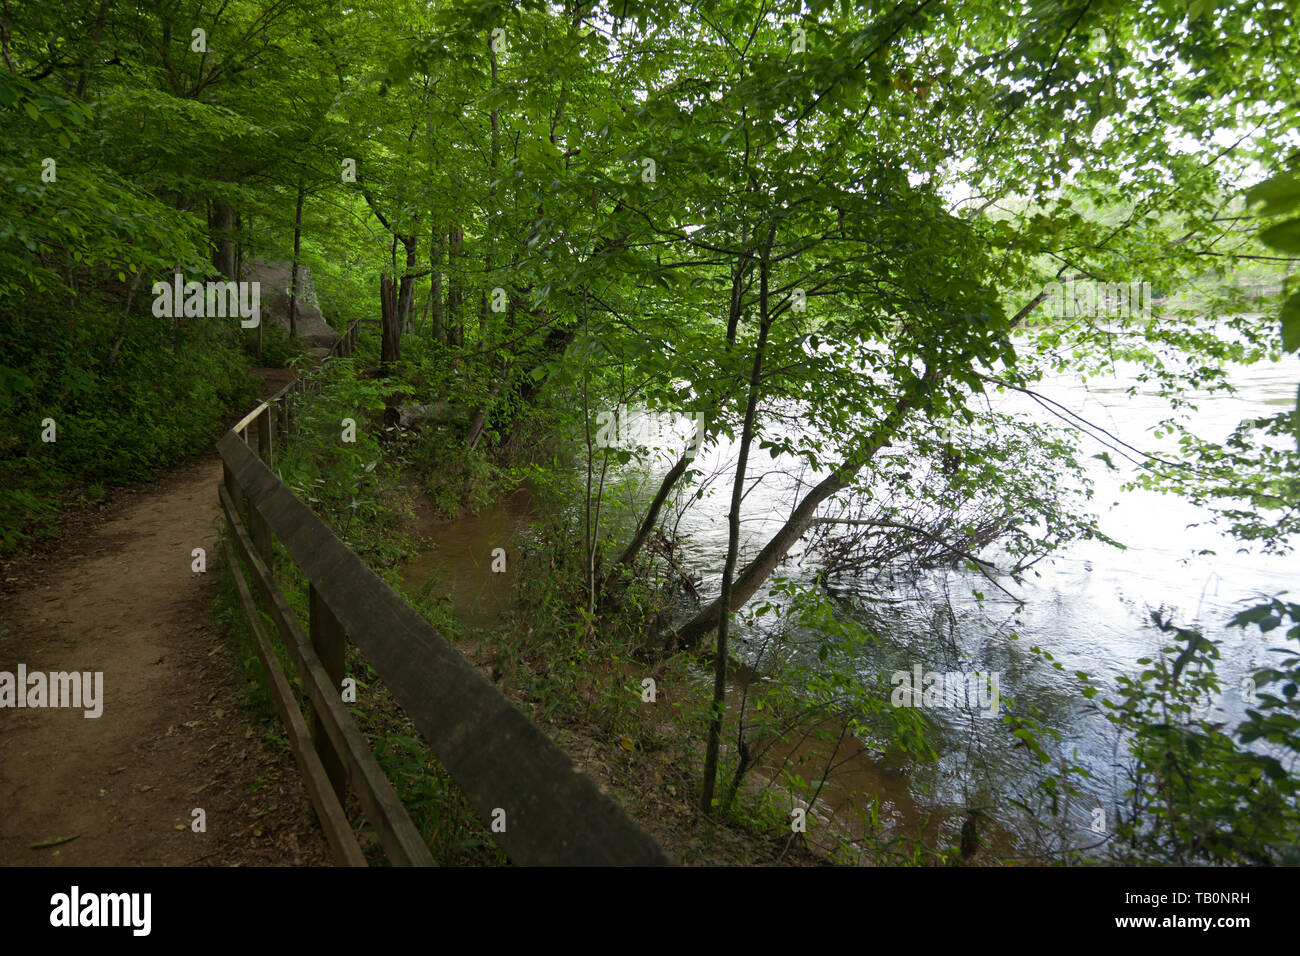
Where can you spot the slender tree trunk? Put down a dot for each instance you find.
(652, 515)
(293, 282)
(390, 351)
(100, 18)
(406, 293)
(733, 546)
(744, 760)
(494, 212)
(479, 421)
(223, 228)
(455, 296)
(239, 243)
(438, 328)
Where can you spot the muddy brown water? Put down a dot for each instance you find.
(456, 560)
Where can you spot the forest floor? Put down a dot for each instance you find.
(114, 592)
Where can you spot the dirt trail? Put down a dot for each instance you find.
(174, 735)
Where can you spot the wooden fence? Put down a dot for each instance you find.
(510, 770)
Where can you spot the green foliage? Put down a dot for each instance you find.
(278, 349)
(1195, 796)
(449, 824)
(905, 180)
(351, 485)
(803, 700)
(1275, 719)
(127, 392)
(456, 481)
(1277, 196)
(87, 215)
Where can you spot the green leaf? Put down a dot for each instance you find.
(1285, 236)
(1291, 323)
(1279, 194)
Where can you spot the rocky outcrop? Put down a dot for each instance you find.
(274, 276)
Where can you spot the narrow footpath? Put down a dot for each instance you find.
(118, 596)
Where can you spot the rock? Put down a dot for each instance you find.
(410, 415)
(275, 276)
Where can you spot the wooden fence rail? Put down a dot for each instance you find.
(509, 769)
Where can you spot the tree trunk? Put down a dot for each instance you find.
(479, 421)
(223, 239)
(390, 351)
(455, 321)
(293, 282)
(494, 212)
(100, 18)
(406, 293)
(438, 329)
(733, 546)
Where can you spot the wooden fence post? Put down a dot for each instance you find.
(266, 436)
(328, 638)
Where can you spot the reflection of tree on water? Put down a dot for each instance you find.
(984, 779)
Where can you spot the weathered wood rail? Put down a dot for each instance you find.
(507, 767)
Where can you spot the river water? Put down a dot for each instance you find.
(1090, 608)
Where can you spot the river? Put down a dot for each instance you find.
(1090, 608)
